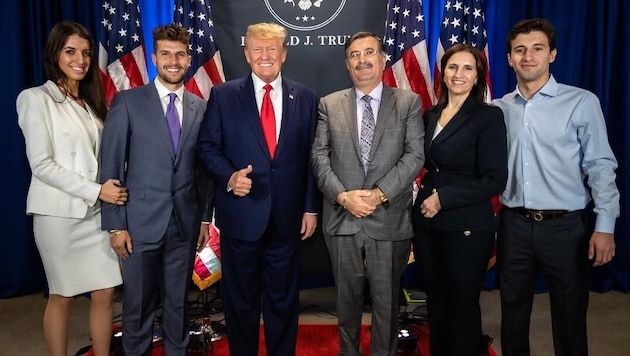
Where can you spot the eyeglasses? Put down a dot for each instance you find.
(354, 55)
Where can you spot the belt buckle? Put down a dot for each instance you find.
(537, 216)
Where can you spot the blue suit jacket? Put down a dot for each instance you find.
(137, 149)
(231, 138)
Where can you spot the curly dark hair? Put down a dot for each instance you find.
(170, 32)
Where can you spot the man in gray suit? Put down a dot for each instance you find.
(148, 144)
(368, 148)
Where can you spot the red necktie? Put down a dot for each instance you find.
(268, 121)
(419, 177)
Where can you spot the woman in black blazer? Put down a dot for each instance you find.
(453, 215)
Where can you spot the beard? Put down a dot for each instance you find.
(171, 78)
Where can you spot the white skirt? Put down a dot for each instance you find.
(76, 254)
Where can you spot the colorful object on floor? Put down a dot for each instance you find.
(207, 267)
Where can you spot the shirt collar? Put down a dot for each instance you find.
(259, 83)
(163, 91)
(549, 89)
(376, 93)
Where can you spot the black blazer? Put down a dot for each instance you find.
(467, 164)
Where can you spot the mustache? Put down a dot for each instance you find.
(364, 65)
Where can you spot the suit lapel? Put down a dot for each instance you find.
(189, 113)
(156, 115)
(385, 114)
(456, 122)
(247, 96)
(349, 109)
(288, 113)
(74, 120)
(430, 124)
(97, 128)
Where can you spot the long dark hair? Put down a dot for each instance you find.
(90, 88)
(478, 91)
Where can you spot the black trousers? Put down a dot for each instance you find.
(451, 268)
(559, 248)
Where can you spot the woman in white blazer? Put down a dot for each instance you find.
(62, 123)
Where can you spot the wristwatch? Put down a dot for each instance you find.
(383, 197)
(114, 232)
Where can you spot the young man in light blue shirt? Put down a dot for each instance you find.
(556, 138)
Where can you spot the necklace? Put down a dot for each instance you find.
(68, 93)
(77, 98)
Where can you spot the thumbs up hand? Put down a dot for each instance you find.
(240, 183)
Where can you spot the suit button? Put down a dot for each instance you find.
(175, 171)
(73, 153)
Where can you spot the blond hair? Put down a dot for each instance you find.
(266, 31)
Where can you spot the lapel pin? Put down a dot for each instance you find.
(291, 96)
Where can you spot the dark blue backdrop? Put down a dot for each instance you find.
(593, 39)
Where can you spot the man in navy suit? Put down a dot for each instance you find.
(255, 143)
(156, 232)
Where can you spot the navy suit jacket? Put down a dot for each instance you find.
(231, 137)
(137, 149)
(467, 164)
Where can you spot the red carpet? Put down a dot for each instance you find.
(322, 340)
(319, 340)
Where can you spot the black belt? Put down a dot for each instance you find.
(540, 215)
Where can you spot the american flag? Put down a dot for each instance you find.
(406, 47)
(121, 54)
(206, 68)
(207, 266)
(407, 59)
(463, 22)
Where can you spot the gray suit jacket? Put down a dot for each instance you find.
(136, 149)
(396, 158)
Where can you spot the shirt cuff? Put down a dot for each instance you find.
(605, 224)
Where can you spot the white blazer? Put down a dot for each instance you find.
(62, 157)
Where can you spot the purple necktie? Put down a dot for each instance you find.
(172, 118)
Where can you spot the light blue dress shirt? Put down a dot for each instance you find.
(555, 140)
